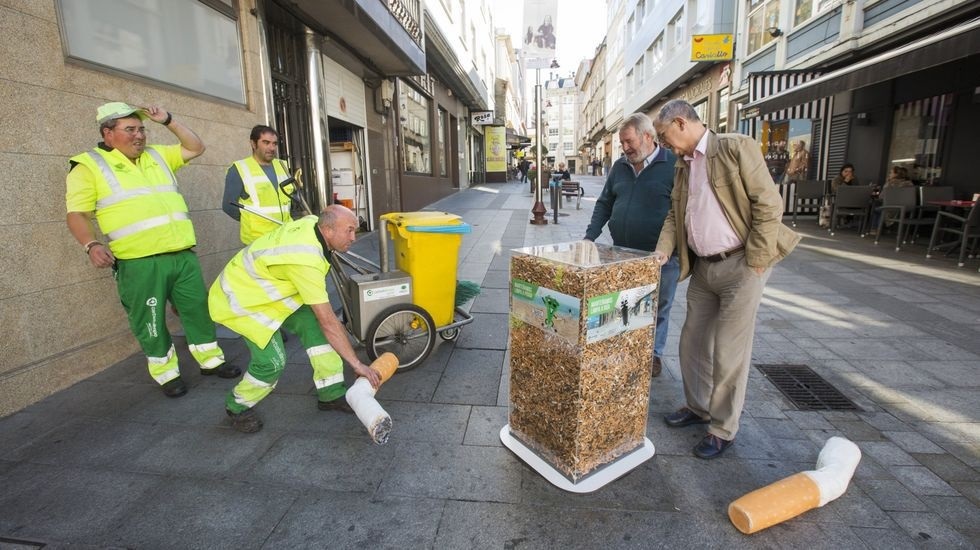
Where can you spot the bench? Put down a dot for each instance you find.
(573, 189)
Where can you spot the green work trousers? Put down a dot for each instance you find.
(266, 364)
(145, 286)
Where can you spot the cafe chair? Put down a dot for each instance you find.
(966, 228)
(851, 200)
(925, 213)
(808, 195)
(897, 205)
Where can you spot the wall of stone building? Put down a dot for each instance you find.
(60, 318)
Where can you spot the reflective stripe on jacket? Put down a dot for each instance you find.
(263, 196)
(252, 300)
(139, 207)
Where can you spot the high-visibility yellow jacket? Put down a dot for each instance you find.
(138, 206)
(263, 196)
(252, 299)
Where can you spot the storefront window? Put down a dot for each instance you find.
(786, 149)
(127, 37)
(918, 134)
(763, 14)
(416, 140)
(443, 170)
(701, 108)
(723, 100)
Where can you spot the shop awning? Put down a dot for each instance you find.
(949, 45)
(515, 140)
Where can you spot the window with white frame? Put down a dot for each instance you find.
(127, 38)
(629, 28)
(678, 30)
(807, 9)
(641, 7)
(638, 72)
(630, 87)
(656, 54)
(568, 146)
(763, 14)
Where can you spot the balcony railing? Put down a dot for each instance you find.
(409, 14)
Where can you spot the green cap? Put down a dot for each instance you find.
(117, 109)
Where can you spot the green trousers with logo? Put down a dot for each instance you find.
(267, 363)
(145, 286)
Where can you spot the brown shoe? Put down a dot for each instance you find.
(339, 404)
(656, 367)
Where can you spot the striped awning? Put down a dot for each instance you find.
(948, 45)
(765, 84)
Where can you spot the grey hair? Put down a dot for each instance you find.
(640, 123)
(676, 108)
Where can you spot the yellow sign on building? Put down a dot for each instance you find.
(496, 148)
(712, 47)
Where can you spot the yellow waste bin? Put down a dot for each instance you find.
(427, 248)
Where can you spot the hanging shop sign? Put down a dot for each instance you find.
(481, 118)
(712, 47)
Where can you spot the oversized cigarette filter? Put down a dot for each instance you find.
(798, 493)
(360, 397)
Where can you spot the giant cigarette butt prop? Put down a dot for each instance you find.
(360, 397)
(798, 493)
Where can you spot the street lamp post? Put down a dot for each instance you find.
(539, 210)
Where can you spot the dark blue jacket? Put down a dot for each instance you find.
(635, 207)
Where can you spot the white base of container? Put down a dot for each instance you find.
(608, 473)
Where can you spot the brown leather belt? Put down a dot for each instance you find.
(722, 255)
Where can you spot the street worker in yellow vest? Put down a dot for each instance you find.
(253, 182)
(130, 189)
(280, 281)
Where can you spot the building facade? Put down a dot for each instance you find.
(561, 110)
(874, 83)
(221, 67)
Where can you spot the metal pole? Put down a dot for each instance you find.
(538, 209)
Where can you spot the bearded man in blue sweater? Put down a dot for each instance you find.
(634, 202)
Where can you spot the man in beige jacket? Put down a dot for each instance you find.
(726, 225)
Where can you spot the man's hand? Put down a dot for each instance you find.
(100, 256)
(367, 372)
(156, 113)
(660, 257)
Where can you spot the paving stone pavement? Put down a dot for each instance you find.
(111, 462)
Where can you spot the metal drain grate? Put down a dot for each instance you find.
(806, 389)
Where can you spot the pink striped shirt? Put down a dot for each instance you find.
(708, 230)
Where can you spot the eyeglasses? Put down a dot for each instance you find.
(132, 130)
(661, 134)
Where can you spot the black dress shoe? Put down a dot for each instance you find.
(174, 388)
(247, 421)
(224, 370)
(711, 446)
(339, 404)
(657, 367)
(683, 417)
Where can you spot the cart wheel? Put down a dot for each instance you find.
(449, 334)
(405, 330)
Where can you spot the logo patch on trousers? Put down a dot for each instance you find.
(151, 326)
